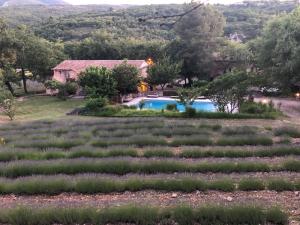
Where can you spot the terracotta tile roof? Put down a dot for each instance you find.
(81, 65)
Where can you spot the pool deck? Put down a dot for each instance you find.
(137, 100)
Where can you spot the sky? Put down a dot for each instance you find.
(142, 2)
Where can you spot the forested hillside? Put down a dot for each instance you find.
(78, 22)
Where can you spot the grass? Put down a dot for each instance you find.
(45, 107)
(141, 215)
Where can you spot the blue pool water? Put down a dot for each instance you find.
(159, 104)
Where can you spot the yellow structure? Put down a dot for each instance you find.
(143, 87)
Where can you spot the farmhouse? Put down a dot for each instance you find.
(70, 69)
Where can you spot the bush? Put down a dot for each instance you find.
(287, 131)
(256, 108)
(95, 104)
(171, 107)
(71, 88)
(140, 215)
(52, 85)
(191, 141)
(251, 185)
(280, 185)
(245, 140)
(292, 165)
(190, 112)
(158, 153)
(245, 130)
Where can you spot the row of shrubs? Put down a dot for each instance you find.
(6, 156)
(140, 215)
(53, 185)
(162, 153)
(123, 167)
(195, 140)
(118, 111)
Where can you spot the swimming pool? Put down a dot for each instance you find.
(159, 104)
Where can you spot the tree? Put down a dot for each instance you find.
(127, 78)
(37, 55)
(235, 55)
(199, 33)
(187, 96)
(163, 72)
(8, 76)
(278, 51)
(98, 82)
(228, 91)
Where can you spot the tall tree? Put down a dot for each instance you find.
(199, 33)
(8, 55)
(278, 51)
(37, 55)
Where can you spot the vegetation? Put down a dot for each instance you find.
(98, 82)
(94, 185)
(127, 78)
(145, 215)
(163, 72)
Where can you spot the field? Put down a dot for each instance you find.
(171, 170)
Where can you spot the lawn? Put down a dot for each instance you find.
(43, 107)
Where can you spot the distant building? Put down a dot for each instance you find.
(70, 69)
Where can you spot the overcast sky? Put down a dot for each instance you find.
(142, 2)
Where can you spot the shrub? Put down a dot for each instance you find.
(171, 107)
(222, 185)
(287, 131)
(280, 185)
(158, 153)
(140, 215)
(71, 88)
(245, 140)
(292, 165)
(245, 130)
(276, 216)
(95, 104)
(190, 112)
(52, 84)
(251, 185)
(256, 108)
(192, 141)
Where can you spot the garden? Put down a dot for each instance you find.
(110, 170)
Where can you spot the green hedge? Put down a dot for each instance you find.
(140, 215)
(156, 113)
